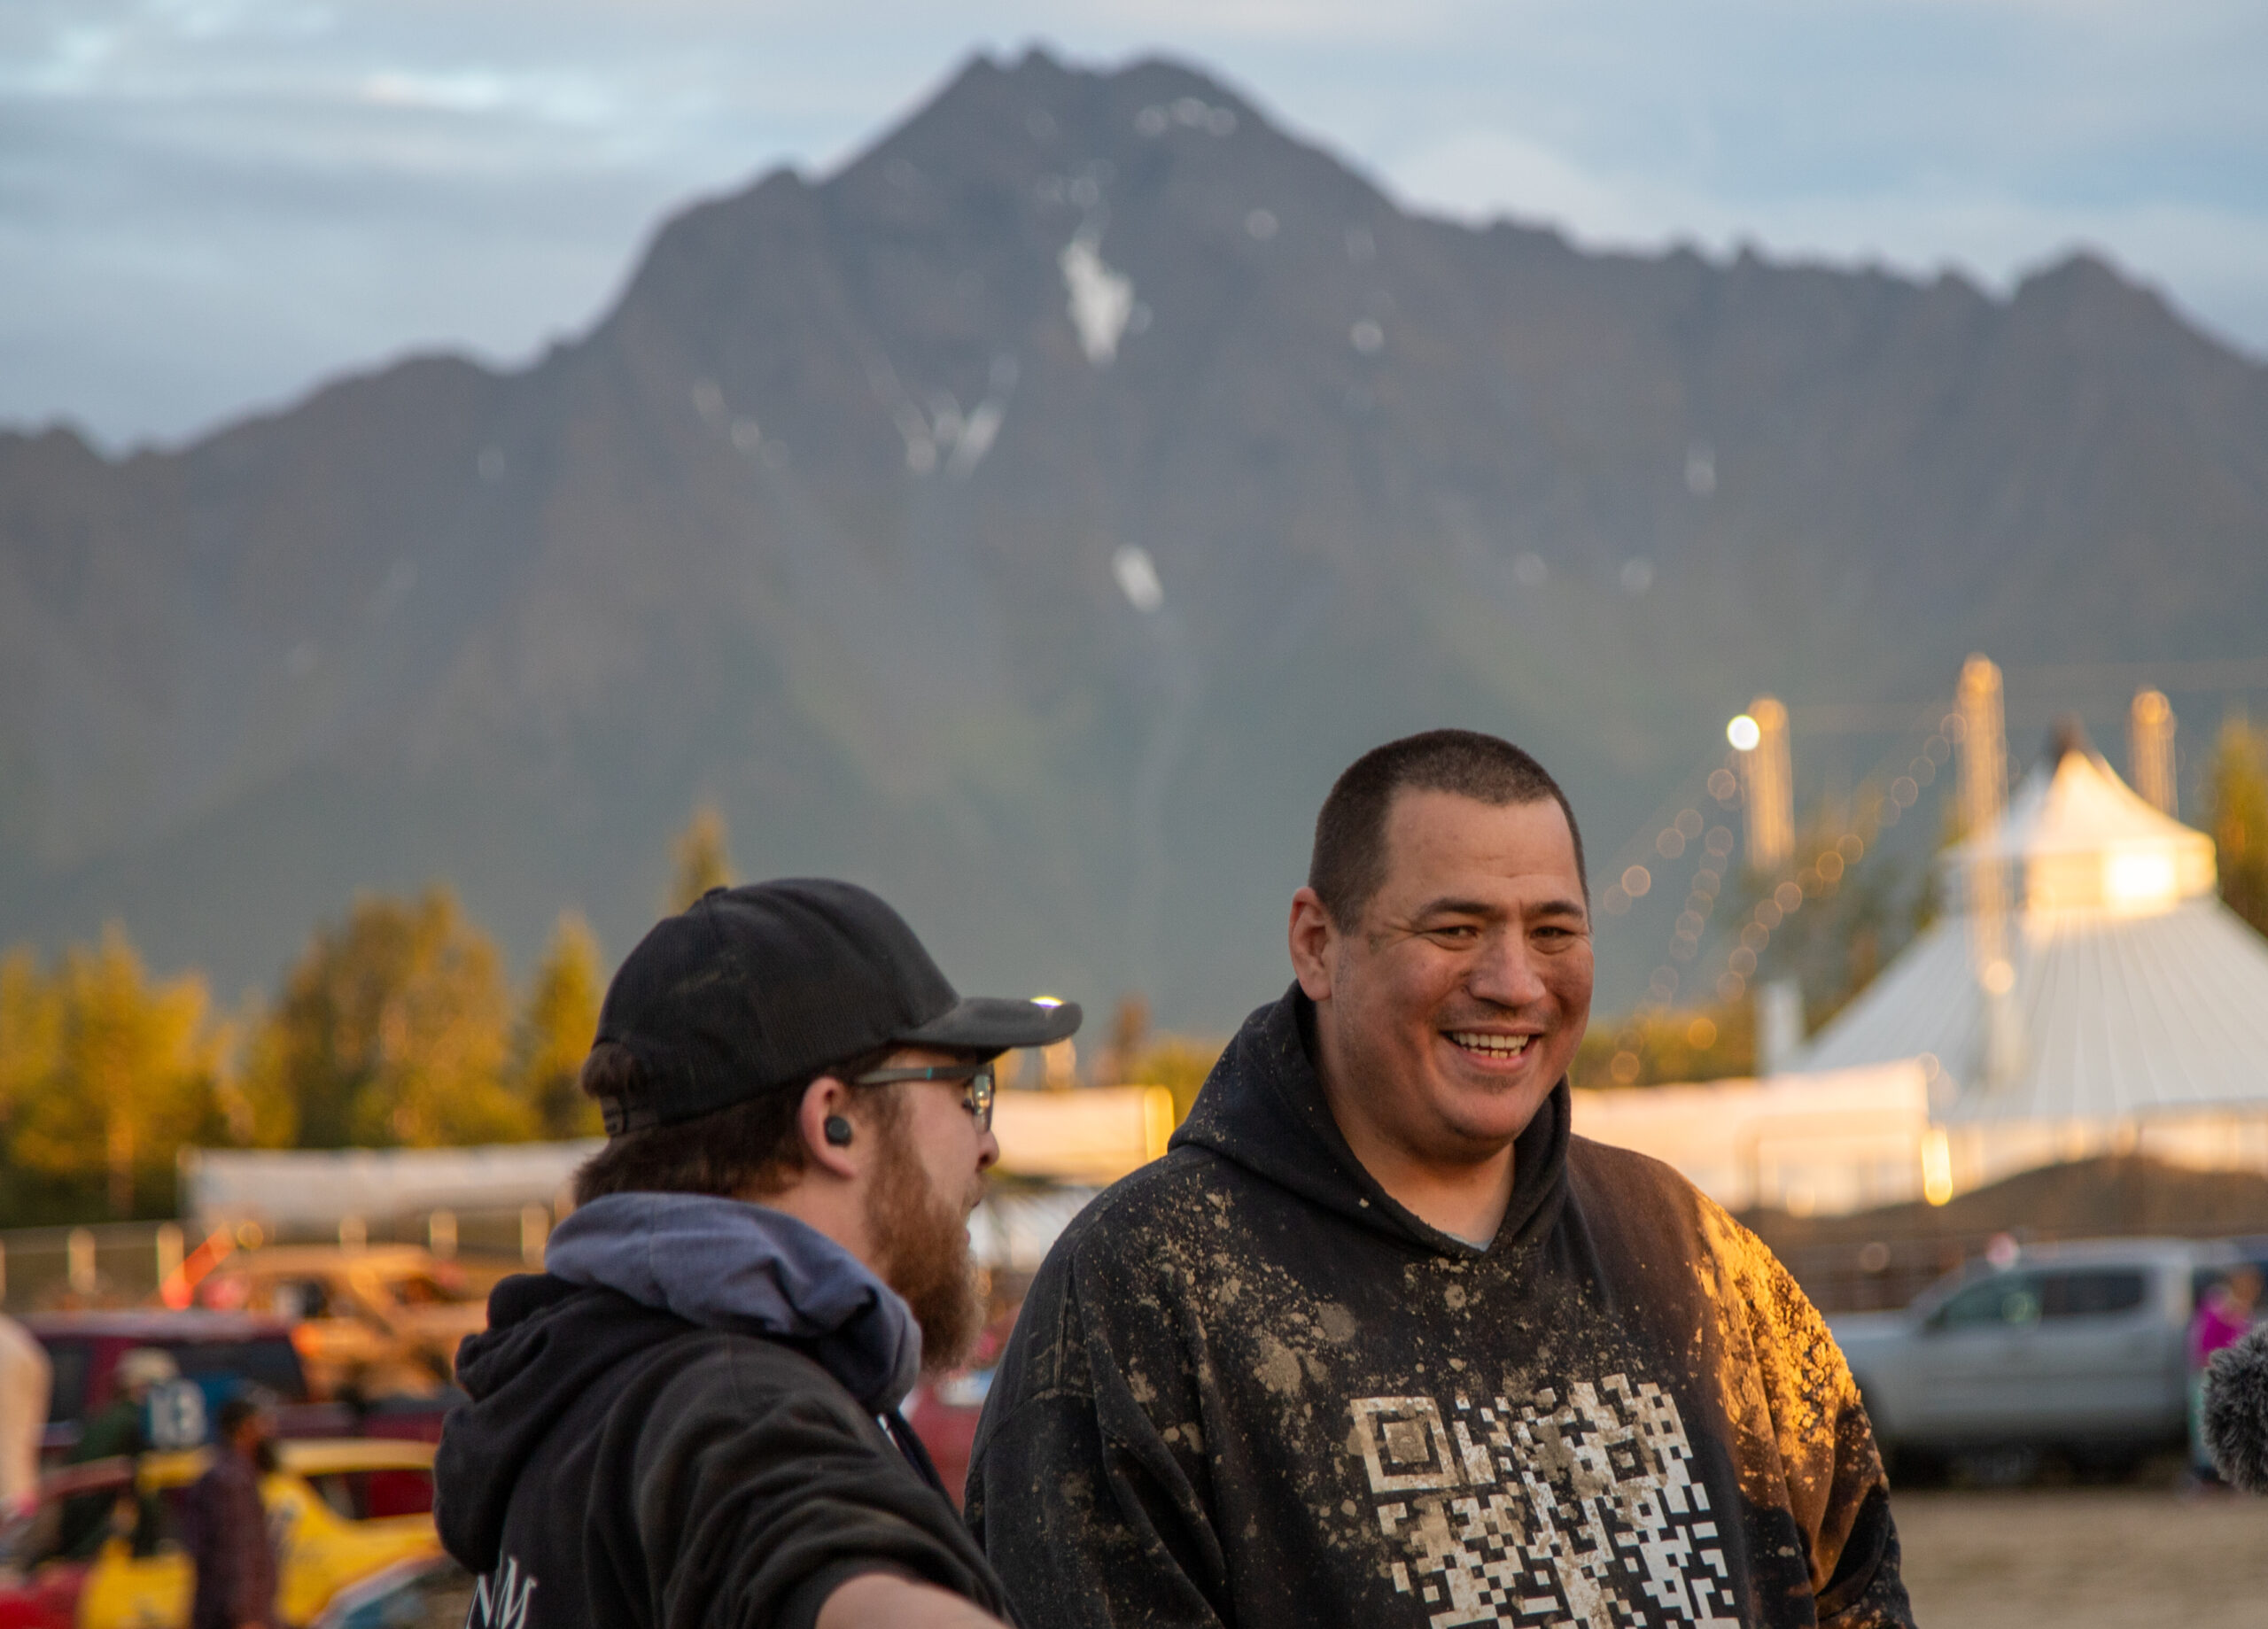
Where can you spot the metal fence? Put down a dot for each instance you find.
(123, 1263)
(105, 1264)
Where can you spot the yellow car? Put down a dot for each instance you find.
(384, 1319)
(345, 1515)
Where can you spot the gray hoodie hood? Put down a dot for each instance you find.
(724, 1264)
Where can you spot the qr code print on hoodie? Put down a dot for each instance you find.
(1531, 1512)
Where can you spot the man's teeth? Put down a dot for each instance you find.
(1490, 1046)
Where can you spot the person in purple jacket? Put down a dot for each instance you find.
(227, 1526)
(2225, 1311)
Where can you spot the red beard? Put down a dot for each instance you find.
(921, 1239)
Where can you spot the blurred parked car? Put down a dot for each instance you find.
(349, 1519)
(2076, 1349)
(437, 1594)
(379, 1321)
(218, 1351)
(943, 1410)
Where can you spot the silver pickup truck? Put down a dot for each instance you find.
(2077, 1348)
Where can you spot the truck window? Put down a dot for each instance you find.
(418, 1290)
(271, 1362)
(2091, 1292)
(2003, 1299)
(300, 1298)
(67, 1398)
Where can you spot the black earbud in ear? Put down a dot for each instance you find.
(837, 1130)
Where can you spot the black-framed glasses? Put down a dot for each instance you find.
(978, 1100)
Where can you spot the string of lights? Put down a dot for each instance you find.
(1877, 803)
(1926, 740)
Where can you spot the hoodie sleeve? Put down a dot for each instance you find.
(1089, 1514)
(1820, 1440)
(755, 1499)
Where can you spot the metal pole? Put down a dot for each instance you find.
(2149, 754)
(1771, 790)
(1984, 799)
(168, 1243)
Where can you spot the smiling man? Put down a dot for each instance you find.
(1379, 1343)
(690, 1417)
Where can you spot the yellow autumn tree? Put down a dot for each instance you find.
(129, 1079)
(699, 859)
(555, 1030)
(1179, 1063)
(31, 1029)
(259, 1098)
(394, 1028)
(2238, 799)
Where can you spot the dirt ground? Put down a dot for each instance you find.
(2085, 1558)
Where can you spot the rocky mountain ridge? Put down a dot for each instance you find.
(1033, 516)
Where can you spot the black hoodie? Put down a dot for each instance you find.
(1249, 1388)
(690, 1421)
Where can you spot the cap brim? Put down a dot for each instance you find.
(987, 1024)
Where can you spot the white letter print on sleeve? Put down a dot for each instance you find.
(1531, 1514)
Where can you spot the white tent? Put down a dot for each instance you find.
(1064, 1144)
(2133, 1006)
(1823, 1144)
(287, 1190)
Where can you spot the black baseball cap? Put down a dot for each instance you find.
(755, 989)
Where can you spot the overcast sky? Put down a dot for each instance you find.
(206, 205)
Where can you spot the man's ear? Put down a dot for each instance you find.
(1313, 938)
(827, 1098)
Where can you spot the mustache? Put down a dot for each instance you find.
(1492, 1013)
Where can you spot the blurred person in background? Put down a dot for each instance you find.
(1379, 1343)
(120, 1428)
(224, 1525)
(26, 1378)
(691, 1416)
(2224, 1313)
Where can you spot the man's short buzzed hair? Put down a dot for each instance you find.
(1348, 864)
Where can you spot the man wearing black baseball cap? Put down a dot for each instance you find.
(690, 1416)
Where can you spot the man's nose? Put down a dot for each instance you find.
(988, 1149)
(1505, 974)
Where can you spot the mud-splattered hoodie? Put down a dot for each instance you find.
(1249, 1388)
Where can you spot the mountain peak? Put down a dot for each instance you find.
(1030, 518)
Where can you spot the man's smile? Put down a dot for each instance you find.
(1483, 1045)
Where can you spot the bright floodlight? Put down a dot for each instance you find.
(1743, 732)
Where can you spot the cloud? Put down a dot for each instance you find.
(2211, 259)
(1303, 22)
(554, 98)
(1479, 174)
